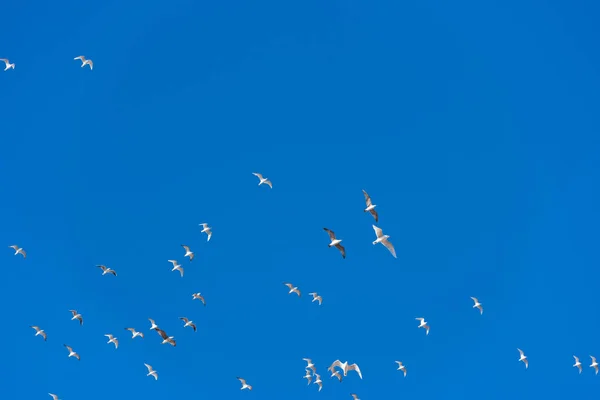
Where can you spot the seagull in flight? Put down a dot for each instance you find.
(423, 324)
(151, 371)
(113, 340)
(206, 229)
(401, 367)
(310, 365)
(244, 384)
(370, 207)
(54, 397)
(188, 252)
(308, 377)
(577, 363)
(154, 326)
(477, 304)
(523, 358)
(198, 296)
(176, 266)
(72, 353)
(188, 323)
(335, 242)
(316, 297)
(292, 289)
(76, 315)
(166, 338)
(318, 381)
(345, 367)
(85, 62)
(106, 270)
(8, 64)
(594, 364)
(135, 333)
(383, 239)
(263, 180)
(39, 331)
(19, 250)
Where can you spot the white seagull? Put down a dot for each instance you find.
(176, 266)
(151, 371)
(8, 64)
(244, 384)
(383, 239)
(310, 365)
(135, 333)
(308, 377)
(206, 229)
(19, 250)
(263, 180)
(477, 304)
(85, 62)
(577, 363)
(188, 323)
(106, 270)
(54, 397)
(345, 367)
(401, 367)
(594, 364)
(316, 297)
(39, 331)
(72, 353)
(113, 340)
(292, 289)
(154, 326)
(188, 252)
(318, 381)
(423, 324)
(335, 242)
(523, 358)
(370, 206)
(198, 296)
(76, 315)
(166, 338)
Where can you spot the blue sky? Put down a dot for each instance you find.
(473, 125)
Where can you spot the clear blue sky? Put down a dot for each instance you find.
(472, 124)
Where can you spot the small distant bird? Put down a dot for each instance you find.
(113, 340)
(244, 384)
(19, 250)
(316, 297)
(310, 365)
(423, 324)
(477, 304)
(54, 397)
(154, 326)
(107, 270)
(292, 289)
(337, 375)
(263, 180)
(76, 315)
(370, 207)
(335, 242)
(188, 323)
(85, 62)
(308, 377)
(151, 371)
(206, 229)
(523, 358)
(8, 64)
(176, 266)
(354, 396)
(72, 353)
(594, 364)
(198, 296)
(39, 331)
(345, 367)
(135, 333)
(166, 338)
(188, 252)
(577, 363)
(401, 367)
(383, 239)
(318, 381)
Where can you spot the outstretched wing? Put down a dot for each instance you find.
(330, 233)
(389, 246)
(341, 249)
(378, 231)
(367, 198)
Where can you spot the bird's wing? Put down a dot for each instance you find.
(130, 330)
(14, 246)
(102, 267)
(420, 319)
(162, 333)
(374, 214)
(180, 271)
(185, 247)
(399, 363)
(151, 321)
(82, 58)
(149, 367)
(91, 64)
(330, 233)
(289, 285)
(475, 300)
(341, 249)
(576, 359)
(193, 327)
(258, 175)
(355, 367)
(184, 319)
(37, 328)
(109, 336)
(242, 380)
(268, 182)
(367, 198)
(24, 253)
(521, 352)
(74, 312)
(297, 292)
(68, 348)
(336, 363)
(593, 358)
(174, 262)
(389, 246)
(112, 271)
(44, 335)
(378, 231)
(308, 360)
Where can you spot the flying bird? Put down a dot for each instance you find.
(188, 323)
(577, 363)
(166, 338)
(107, 270)
(477, 304)
(370, 207)
(151, 371)
(316, 297)
(198, 296)
(423, 324)
(206, 229)
(188, 252)
(335, 242)
(244, 384)
(523, 358)
(308, 377)
(401, 367)
(76, 315)
(310, 365)
(19, 250)
(336, 374)
(54, 397)
(292, 289)
(8, 64)
(318, 381)
(72, 353)
(176, 266)
(594, 364)
(85, 62)
(383, 239)
(154, 326)
(135, 333)
(39, 331)
(113, 340)
(345, 367)
(263, 180)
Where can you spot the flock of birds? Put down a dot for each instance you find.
(84, 62)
